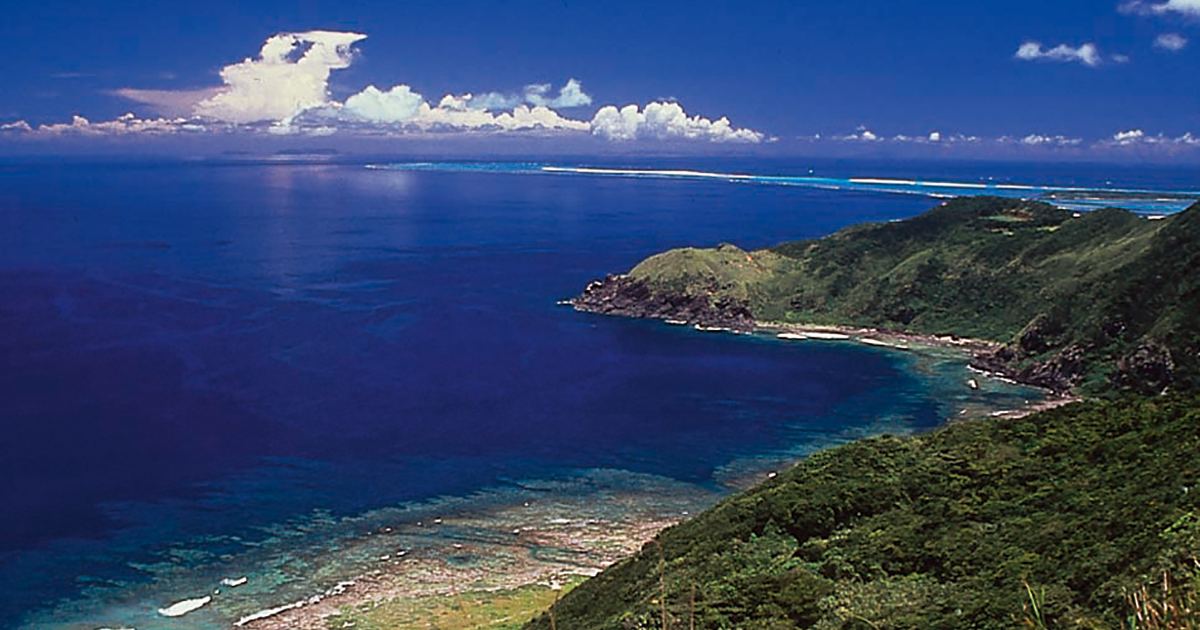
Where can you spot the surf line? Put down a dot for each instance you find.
(586, 170)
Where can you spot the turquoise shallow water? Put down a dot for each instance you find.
(1150, 201)
(290, 560)
(226, 370)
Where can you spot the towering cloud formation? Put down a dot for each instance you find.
(285, 90)
(398, 104)
(665, 121)
(290, 75)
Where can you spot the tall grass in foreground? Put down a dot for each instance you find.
(1172, 603)
(1167, 606)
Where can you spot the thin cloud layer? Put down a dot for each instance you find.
(1086, 54)
(1172, 42)
(124, 125)
(1120, 141)
(1186, 8)
(169, 102)
(1139, 138)
(1039, 140)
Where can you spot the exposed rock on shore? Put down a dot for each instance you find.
(1099, 302)
(624, 295)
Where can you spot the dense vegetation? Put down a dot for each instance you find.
(1103, 301)
(1051, 520)
(1085, 516)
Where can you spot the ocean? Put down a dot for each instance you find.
(216, 369)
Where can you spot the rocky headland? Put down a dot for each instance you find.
(1098, 302)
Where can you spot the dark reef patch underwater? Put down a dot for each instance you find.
(226, 370)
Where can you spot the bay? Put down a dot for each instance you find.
(217, 369)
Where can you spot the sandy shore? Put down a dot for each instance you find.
(874, 336)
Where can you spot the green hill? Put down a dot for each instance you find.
(1045, 521)
(1095, 302)
(1054, 520)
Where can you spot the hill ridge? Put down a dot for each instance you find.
(1093, 302)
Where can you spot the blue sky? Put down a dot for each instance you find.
(1066, 78)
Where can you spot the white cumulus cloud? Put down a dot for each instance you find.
(1139, 138)
(451, 114)
(1087, 54)
(861, 134)
(1173, 42)
(17, 126)
(290, 75)
(1129, 137)
(285, 91)
(401, 111)
(398, 104)
(569, 95)
(1039, 140)
(124, 125)
(665, 121)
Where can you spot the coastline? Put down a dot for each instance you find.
(527, 550)
(706, 311)
(530, 552)
(896, 339)
(546, 556)
(917, 342)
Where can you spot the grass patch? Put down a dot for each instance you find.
(491, 610)
(1112, 292)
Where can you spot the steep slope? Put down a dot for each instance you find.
(1105, 300)
(1082, 503)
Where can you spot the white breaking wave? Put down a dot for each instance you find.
(1068, 197)
(181, 608)
(337, 589)
(645, 172)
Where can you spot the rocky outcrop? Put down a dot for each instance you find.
(1039, 356)
(623, 295)
(1148, 369)
(1058, 373)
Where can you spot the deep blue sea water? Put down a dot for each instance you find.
(196, 356)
